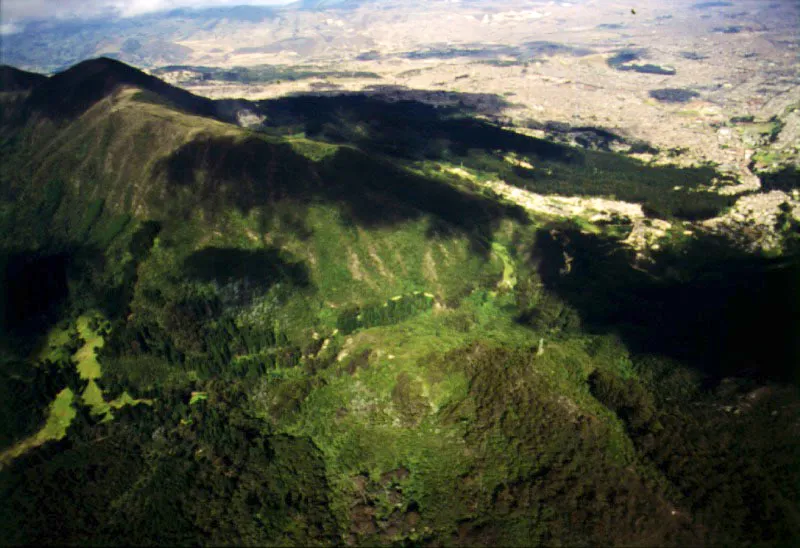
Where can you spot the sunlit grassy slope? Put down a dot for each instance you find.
(60, 415)
(62, 410)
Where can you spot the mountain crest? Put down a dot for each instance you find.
(72, 92)
(14, 79)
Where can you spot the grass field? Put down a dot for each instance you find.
(509, 272)
(86, 356)
(58, 420)
(88, 366)
(62, 410)
(53, 347)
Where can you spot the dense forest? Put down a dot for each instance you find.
(310, 334)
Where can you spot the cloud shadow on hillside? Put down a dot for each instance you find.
(414, 131)
(728, 313)
(371, 192)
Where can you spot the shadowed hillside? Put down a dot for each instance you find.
(369, 191)
(420, 133)
(13, 79)
(723, 311)
(70, 93)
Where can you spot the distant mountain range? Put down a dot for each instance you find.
(51, 45)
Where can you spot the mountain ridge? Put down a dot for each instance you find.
(14, 79)
(75, 90)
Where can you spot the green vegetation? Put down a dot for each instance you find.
(325, 339)
(60, 416)
(55, 347)
(395, 310)
(673, 95)
(509, 280)
(742, 119)
(265, 74)
(426, 137)
(88, 366)
(198, 397)
(624, 61)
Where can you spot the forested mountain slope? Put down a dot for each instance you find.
(328, 331)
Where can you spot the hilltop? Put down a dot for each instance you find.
(341, 320)
(13, 79)
(70, 93)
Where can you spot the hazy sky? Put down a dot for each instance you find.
(13, 10)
